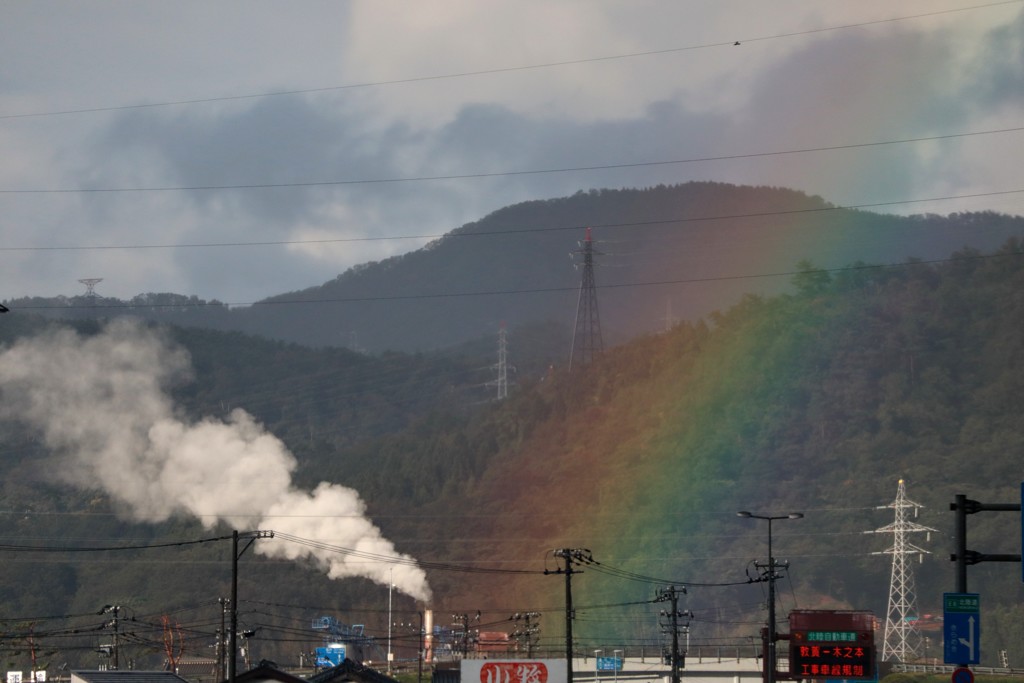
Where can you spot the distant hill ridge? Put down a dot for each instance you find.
(665, 253)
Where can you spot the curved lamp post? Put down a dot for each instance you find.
(770, 659)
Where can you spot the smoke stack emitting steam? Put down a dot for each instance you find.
(101, 401)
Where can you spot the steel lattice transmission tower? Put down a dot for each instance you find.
(902, 637)
(90, 286)
(586, 336)
(501, 382)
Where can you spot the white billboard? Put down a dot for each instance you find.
(514, 671)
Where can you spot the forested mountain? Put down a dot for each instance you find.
(818, 400)
(663, 253)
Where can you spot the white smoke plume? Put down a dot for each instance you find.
(102, 403)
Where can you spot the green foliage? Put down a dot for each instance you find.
(818, 401)
(809, 280)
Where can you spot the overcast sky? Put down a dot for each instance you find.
(127, 127)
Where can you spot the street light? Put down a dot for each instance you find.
(770, 659)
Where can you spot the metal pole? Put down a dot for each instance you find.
(674, 597)
(391, 586)
(220, 639)
(960, 534)
(770, 659)
(232, 634)
(570, 555)
(770, 662)
(117, 641)
(419, 676)
(568, 616)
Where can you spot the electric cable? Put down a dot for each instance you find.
(458, 234)
(505, 174)
(528, 67)
(400, 560)
(80, 549)
(574, 288)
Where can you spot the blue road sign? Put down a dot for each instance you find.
(609, 664)
(962, 628)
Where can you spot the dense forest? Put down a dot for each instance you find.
(818, 400)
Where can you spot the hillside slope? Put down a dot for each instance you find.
(664, 253)
(817, 401)
(667, 252)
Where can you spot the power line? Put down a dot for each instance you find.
(536, 290)
(632, 576)
(516, 231)
(499, 174)
(398, 559)
(80, 549)
(732, 42)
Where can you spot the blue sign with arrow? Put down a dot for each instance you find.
(962, 628)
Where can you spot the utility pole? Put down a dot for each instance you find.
(419, 657)
(115, 645)
(391, 588)
(463, 620)
(902, 639)
(220, 637)
(671, 594)
(235, 554)
(117, 638)
(571, 556)
(526, 633)
(586, 336)
(770, 576)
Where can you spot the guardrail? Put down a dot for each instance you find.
(949, 668)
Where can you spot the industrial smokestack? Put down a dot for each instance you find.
(101, 403)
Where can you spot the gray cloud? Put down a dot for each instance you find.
(997, 71)
(906, 79)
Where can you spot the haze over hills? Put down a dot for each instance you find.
(664, 254)
(818, 399)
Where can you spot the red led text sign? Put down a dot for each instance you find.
(831, 644)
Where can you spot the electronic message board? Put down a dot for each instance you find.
(831, 644)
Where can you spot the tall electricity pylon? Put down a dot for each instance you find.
(586, 336)
(502, 365)
(90, 286)
(902, 637)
